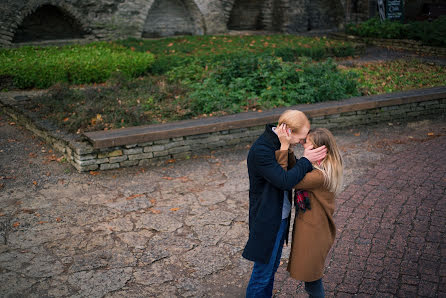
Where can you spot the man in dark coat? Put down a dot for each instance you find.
(270, 196)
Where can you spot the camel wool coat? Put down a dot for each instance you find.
(314, 230)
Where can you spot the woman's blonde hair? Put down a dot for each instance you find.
(294, 119)
(332, 165)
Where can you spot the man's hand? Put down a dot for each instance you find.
(314, 155)
(284, 136)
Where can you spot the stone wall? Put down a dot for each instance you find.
(168, 17)
(84, 156)
(187, 146)
(114, 19)
(148, 153)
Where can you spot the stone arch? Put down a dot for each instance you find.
(61, 21)
(324, 14)
(246, 15)
(173, 17)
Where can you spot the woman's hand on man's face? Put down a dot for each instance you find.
(284, 135)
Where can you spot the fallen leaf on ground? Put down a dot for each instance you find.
(35, 182)
(32, 155)
(58, 219)
(183, 179)
(174, 209)
(134, 196)
(42, 222)
(153, 201)
(16, 224)
(94, 173)
(11, 123)
(155, 211)
(430, 134)
(357, 134)
(168, 178)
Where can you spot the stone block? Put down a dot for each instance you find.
(174, 144)
(196, 137)
(154, 148)
(215, 145)
(110, 154)
(109, 166)
(133, 151)
(81, 148)
(140, 156)
(130, 146)
(195, 142)
(117, 159)
(84, 157)
(160, 153)
(429, 103)
(91, 161)
(178, 149)
(80, 168)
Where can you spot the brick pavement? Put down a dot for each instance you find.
(391, 223)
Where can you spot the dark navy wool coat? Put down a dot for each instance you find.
(267, 183)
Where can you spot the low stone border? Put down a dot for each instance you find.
(145, 145)
(401, 44)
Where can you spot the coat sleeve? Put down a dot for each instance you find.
(271, 170)
(291, 159)
(312, 180)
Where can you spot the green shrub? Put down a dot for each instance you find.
(269, 82)
(429, 32)
(41, 67)
(374, 27)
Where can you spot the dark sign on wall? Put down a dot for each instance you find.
(394, 10)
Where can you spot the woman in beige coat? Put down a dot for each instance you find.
(314, 230)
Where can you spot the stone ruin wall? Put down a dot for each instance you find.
(21, 20)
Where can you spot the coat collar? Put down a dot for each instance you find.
(271, 137)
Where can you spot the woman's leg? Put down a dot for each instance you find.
(315, 289)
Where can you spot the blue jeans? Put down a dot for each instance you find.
(315, 289)
(261, 283)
